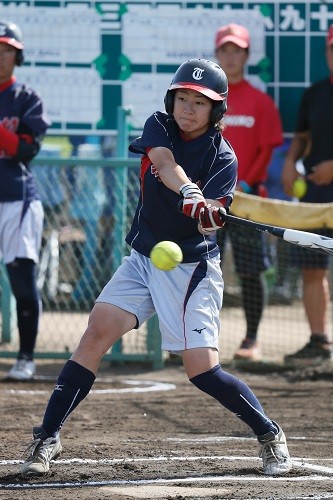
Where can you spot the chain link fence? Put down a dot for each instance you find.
(89, 203)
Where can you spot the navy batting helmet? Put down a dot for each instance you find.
(204, 76)
(11, 34)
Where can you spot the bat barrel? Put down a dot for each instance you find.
(317, 242)
(265, 228)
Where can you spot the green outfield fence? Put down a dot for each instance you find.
(89, 201)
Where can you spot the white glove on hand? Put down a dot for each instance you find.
(193, 201)
(190, 190)
(210, 218)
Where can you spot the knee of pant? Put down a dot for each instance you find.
(28, 306)
(22, 279)
(26, 294)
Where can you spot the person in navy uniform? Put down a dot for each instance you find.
(23, 124)
(188, 173)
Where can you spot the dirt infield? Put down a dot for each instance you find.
(142, 434)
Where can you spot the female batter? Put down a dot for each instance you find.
(184, 159)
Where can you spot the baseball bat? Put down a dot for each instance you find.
(316, 242)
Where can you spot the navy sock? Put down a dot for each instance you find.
(73, 385)
(236, 396)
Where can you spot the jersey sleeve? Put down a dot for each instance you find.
(157, 132)
(33, 120)
(221, 180)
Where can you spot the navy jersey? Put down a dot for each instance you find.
(208, 160)
(21, 111)
(316, 116)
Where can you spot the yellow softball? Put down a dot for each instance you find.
(166, 255)
(299, 187)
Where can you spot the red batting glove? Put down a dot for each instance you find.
(193, 200)
(192, 206)
(210, 219)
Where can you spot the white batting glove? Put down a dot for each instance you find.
(190, 190)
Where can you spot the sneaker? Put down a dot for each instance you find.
(22, 370)
(40, 452)
(248, 351)
(313, 353)
(274, 453)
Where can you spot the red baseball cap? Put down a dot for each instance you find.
(329, 36)
(234, 33)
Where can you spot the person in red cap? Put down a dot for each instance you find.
(313, 144)
(253, 127)
(23, 124)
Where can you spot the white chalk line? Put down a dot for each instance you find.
(53, 378)
(311, 497)
(298, 462)
(217, 439)
(211, 479)
(148, 386)
(233, 478)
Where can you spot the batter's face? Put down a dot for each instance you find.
(192, 112)
(7, 61)
(232, 59)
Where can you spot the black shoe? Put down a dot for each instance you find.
(312, 354)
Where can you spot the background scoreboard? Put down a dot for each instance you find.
(87, 58)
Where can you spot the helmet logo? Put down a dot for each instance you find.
(198, 73)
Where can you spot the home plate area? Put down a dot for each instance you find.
(151, 434)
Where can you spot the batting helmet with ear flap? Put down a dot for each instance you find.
(203, 76)
(11, 34)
